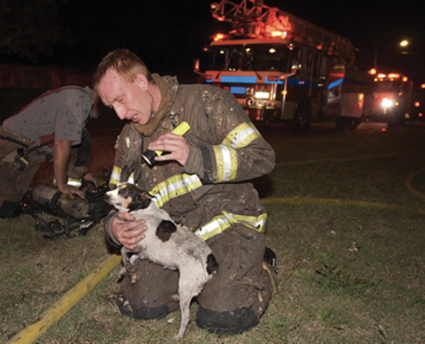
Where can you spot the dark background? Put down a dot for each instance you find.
(169, 34)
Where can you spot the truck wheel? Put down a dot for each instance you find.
(301, 121)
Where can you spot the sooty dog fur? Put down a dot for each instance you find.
(168, 244)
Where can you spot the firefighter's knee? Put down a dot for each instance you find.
(149, 293)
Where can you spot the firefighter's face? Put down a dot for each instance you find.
(131, 101)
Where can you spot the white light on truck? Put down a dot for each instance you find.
(387, 103)
(262, 95)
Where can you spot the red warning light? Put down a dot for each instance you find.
(218, 37)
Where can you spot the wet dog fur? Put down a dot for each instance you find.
(168, 244)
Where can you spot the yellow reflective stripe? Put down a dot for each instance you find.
(116, 176)
(175, 186)
(221, 222)
(74, 182)
(241, 136)
(71, 181)
(227, 163)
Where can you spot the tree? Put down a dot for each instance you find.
(29, 29)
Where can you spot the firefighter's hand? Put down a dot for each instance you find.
(91, 179)
(175, 144)
(128, 231)
(70, 190)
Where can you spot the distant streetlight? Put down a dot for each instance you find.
(404, 43)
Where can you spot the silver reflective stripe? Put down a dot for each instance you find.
(227, 163)
(221, 222)
(242, 136)
(175, 186)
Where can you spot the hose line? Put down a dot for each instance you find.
(408, 183)
(66, 302)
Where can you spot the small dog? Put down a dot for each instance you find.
(168, 244)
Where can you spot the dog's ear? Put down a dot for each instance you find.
(146, 203)
(140, 198)
(125, 174)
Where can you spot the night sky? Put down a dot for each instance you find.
(169, 34)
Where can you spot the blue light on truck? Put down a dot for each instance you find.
(239, 79)
(237, 89)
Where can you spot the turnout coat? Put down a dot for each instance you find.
(211, 191)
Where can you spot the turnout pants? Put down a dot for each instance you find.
(232, 302)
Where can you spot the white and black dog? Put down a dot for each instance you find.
(168, 244)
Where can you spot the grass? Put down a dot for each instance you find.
(347, 274)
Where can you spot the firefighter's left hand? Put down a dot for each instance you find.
(175, 144)
(70, 190)
(91, 179)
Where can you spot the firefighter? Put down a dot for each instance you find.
(51, 126)
(201, 182)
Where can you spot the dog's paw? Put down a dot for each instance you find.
(133, 278)
(177, 337)
(122, 273)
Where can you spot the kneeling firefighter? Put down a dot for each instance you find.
(50, 128)
(202, 182)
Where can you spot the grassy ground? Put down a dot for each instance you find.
(347, 273)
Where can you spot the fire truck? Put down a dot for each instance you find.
(392, 98)
(284, 69)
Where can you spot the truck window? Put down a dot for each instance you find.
(225, 57)
(317, 62)
(295, 57)
(265, 57)
(309, 63)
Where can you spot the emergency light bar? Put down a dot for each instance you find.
(387, 77)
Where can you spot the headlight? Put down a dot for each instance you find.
(387, 103)
(262, 95)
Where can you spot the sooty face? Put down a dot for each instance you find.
(128, 197)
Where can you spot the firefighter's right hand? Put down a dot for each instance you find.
(127, 230)
(70, 190)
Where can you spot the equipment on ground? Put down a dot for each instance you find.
(79, 213)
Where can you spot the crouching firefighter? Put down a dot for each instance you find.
(202, 182)
(52, 127)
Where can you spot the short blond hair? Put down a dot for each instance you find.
(126, 63)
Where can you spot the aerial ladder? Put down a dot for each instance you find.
(254, 19)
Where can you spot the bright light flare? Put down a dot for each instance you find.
(387, 103)
(262, 95)
(218, 37)
(282, 34)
